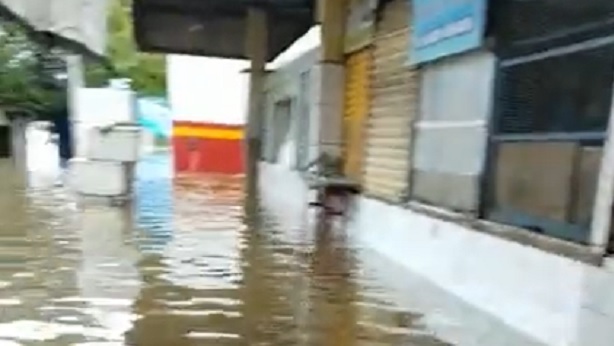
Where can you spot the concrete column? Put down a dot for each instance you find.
(76, 80)
(256, 47)
(329, 76)
(19, 142)
(333, 22)
(602, 210)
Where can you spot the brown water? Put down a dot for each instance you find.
(180, 268)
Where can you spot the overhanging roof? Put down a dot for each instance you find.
(79, 25)
(216, 28)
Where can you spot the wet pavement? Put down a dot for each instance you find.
(182, 266)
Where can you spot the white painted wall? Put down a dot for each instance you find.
(102, 106)
(42, 156)
(451, 135)
(214, 90)
(207, 89)
(556, 300)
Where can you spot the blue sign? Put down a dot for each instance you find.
(445, 27)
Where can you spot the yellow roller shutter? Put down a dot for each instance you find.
(356, 111)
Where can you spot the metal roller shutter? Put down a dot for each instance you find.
(394, 88)
(358, 67)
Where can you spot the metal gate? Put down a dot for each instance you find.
(395, 92)
(356, 110)
(551, 116)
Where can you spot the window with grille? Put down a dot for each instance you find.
(521, 20)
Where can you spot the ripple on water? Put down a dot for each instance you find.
(183, 269)
(10, 302)
(9, 343)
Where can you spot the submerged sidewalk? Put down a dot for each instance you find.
(448, 317)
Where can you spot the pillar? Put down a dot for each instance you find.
(19, 141)
(329, 77)
(601, 227)
(333, 22)
(256, 47)
(76, 80)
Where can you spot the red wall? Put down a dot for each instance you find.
(214, 155)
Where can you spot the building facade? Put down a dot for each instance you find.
(289, 126)
(483, 154)
(550, 116)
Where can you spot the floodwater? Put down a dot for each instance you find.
(182, 266)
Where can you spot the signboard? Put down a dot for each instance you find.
(445, 27)
(360, 24)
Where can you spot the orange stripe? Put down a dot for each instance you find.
(206, 125)
(207, 132)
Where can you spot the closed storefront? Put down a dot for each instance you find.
(356, 110)
(394, 92)
(358, 62)
(552, 108)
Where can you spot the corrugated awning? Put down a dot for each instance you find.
(80, 25)
(216, 28)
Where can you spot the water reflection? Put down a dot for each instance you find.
(153, 204)
(181, 267)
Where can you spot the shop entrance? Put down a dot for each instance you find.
(5, 141)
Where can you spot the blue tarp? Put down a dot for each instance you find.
(154, 115)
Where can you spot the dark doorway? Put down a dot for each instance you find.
(5, 141)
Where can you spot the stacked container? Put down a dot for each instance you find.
(107, 146)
